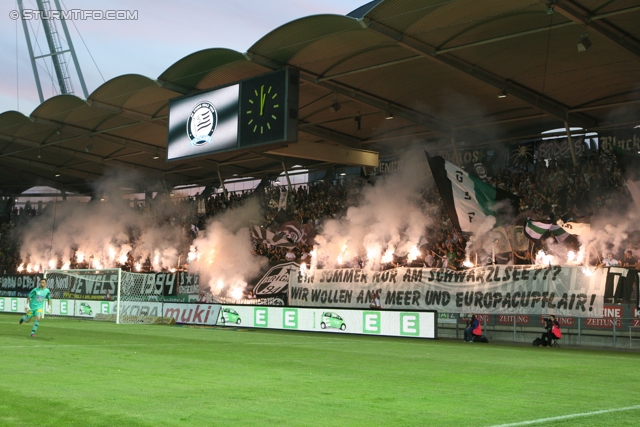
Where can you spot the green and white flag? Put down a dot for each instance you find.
(467, 198)
(536, 229)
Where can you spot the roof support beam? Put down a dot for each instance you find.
(328, 153)
(332, 135)
(583, 16)
(559, 25)
(90, 158)
(22, 175)
(142, 146)
(398, 110)
(372, 67)
(160, 121)
(531, 97)
(52, 168)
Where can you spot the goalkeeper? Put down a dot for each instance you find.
(35, 303)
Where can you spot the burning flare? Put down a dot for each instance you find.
(414, 253)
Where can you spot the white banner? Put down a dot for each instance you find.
(346, 321)
(560, 290)
(61, 307)
(191, 314)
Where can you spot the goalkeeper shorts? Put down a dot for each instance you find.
(33, 312)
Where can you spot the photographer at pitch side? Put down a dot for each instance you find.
(552, 331)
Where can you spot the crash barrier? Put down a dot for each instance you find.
(619, 327)
(185, 313)
(394, 323)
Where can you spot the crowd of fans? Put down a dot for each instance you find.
(552, 189)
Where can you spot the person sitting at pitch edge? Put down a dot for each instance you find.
(473, 328)
(552, 331)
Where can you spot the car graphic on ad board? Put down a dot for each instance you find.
(229, 315)
(85, 309)
(332, 320)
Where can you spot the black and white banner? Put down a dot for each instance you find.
(89, 285)
(18, 285)
(560, 290)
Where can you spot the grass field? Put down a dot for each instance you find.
(85, 373)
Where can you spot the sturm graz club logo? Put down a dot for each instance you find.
(202, 123)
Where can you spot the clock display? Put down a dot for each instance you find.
(265, 111)
(265, 101)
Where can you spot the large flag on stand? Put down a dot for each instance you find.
(536, 229)
(502, 243)
(630, 166)
(262, 235)
(467, 198)
(519, 241)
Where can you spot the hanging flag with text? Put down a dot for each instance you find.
(499, 289)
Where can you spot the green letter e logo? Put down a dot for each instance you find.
(290, 318)
(371, 322)
(260, 317)
(410, 324)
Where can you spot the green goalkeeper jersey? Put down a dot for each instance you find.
(37, 297)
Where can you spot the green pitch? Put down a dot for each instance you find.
(85, 373)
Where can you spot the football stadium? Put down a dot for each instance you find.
(418, 213)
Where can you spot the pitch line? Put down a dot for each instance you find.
(567, 417)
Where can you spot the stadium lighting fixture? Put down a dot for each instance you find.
(502, 94)
(336, 105)
(584, 44)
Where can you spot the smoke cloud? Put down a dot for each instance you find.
(390, 217)
(224, 253)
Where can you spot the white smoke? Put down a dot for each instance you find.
(389, 218)
(100, 232)
(223, 251)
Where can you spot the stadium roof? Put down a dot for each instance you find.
(437, 67)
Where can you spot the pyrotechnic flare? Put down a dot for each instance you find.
(388, 256)
(236, 293)
(413, 254)
(303, 269)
